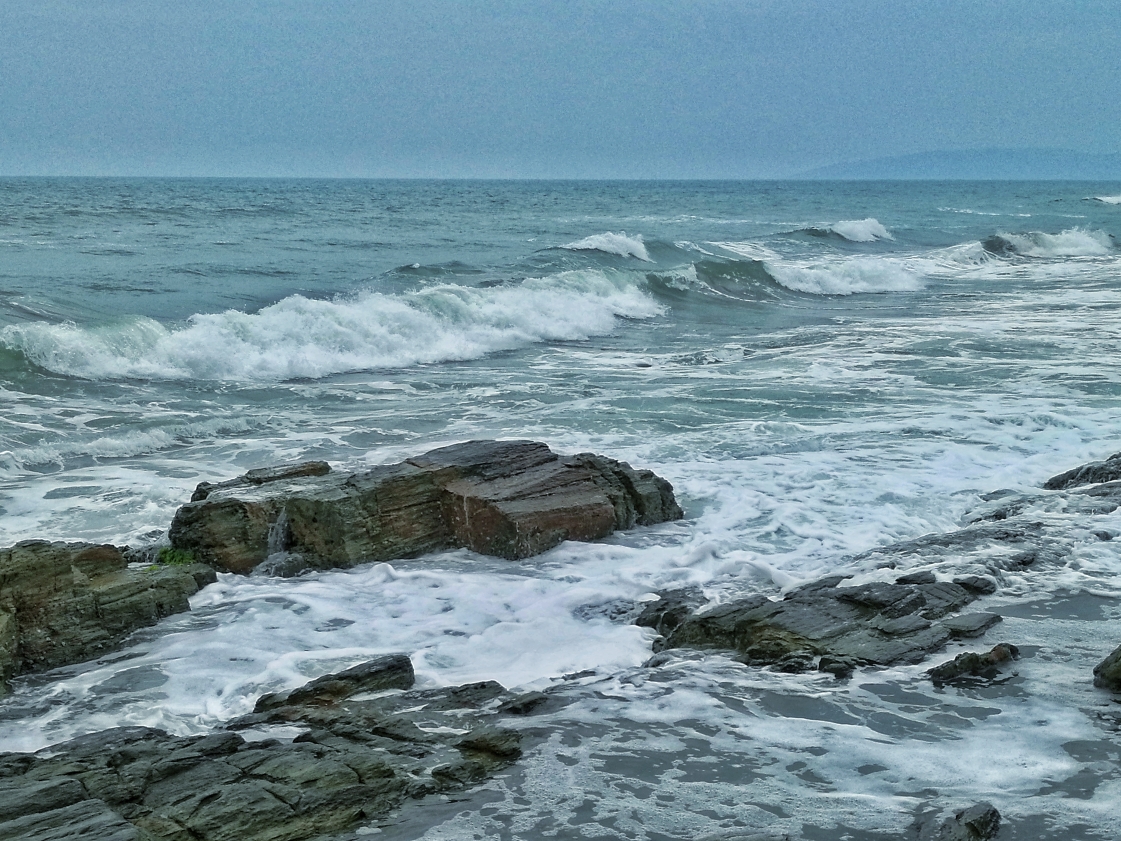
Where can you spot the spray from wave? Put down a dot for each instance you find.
(612, 243)
(1075, 242)
(301, 337)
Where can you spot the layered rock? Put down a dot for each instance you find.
(354, 761)
(61, 603)
(513, 499)
(839, 626)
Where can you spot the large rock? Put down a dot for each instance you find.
(1107, 674)
(355, 761)
(512, 499)
(61, 603)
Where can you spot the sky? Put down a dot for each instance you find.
(544, 88)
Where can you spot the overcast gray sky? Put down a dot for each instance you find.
(549, 88)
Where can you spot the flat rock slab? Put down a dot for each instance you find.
(513, 499)
(355, 761)
(61, 603)
(870, 624)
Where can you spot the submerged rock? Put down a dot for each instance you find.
(61, 603)
(355, 761)
(977, 823)
(1107, 674)
(970, 664)
(513, 499)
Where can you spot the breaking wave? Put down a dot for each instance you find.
(1106, 199)
(847, 277)
(612, 243)
(1075, 242)
(299, 337)
(854, 230)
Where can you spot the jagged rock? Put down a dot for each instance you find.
(977, 823)
(394, 671)
(877, 624)
(61, 603)
(355, 761)
(966, 665)
(1107, 674)
(513, 499)
(670, 609)
(1088, 474)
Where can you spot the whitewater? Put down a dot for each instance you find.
(819, 369)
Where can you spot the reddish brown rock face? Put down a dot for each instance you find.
(513, 499)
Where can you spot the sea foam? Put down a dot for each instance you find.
(1107, 199)
(302, 337)
(612, 243)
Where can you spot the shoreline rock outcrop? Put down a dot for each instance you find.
(356, 759)
(512, 499)
(61, 603)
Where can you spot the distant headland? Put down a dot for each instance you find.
(979, 165)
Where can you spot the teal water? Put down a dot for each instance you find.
(819, 368)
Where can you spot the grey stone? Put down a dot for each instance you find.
(980, 822)
(970, 624)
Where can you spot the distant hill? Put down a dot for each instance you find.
(980, 165)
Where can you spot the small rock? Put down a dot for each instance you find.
(1087, 474)
(1107, 674)
(970, 624)
(977, 823)
(974, 665)
(840, 667)
(923, 577)
(671, 609)
(393, 671)
(976, 583)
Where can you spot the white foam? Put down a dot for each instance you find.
(612, 243)
(861, 230)
(1108, 199)
(302, 337)
(1074, 242)
(846, 277)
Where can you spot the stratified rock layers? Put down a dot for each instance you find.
(61, 603)
(513, 499)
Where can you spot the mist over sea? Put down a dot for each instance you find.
(819, 368)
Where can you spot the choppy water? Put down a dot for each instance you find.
(818, 368)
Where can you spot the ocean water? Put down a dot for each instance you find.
(818, 368)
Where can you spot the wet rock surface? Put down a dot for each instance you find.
(61, 603)
(512, 499)
(1107, 674)
(871, 624)
(361, 751)
(974, 665)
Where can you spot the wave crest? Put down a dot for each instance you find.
(847, 277)
(1107, 199)
(613, 243)
(1074, 242)
(854, 230)
(298, 337)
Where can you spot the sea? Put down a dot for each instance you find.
(819, 368)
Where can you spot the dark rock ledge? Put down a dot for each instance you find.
(366, 746)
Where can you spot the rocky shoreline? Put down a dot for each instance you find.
(346, 749)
